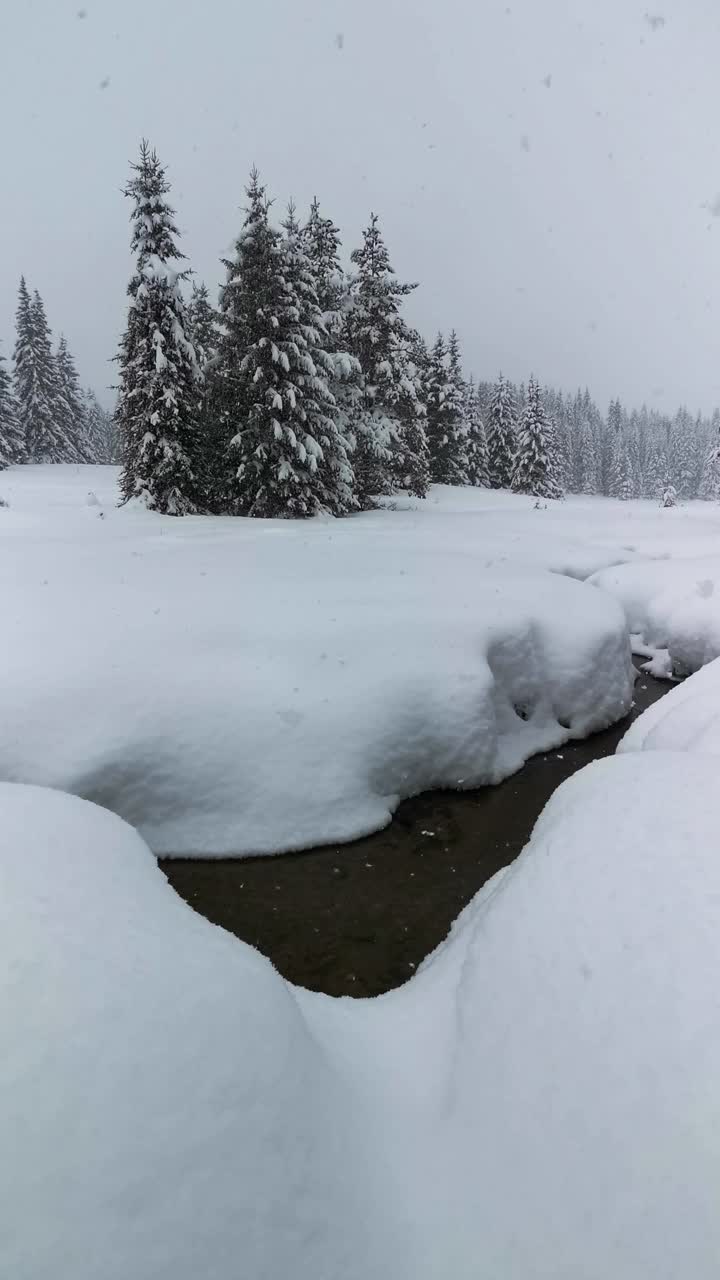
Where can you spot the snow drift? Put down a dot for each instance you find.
(671, 605)
(234, 686)
(539, 1101)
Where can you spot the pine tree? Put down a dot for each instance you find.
(447, 431)
(620, 481)
(71, 406)
(533, 464)
(669, 497)
(12, 448)
(214, 431)
(589, 478)
(682, 455)
(36, 388)
(288, 450)
(657, 473)
(709, 488)
(321, 241)
(388, 421)
(501, 435)
(157, 405)
(476, 444)
(101, 429)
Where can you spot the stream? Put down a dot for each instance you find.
(357, 919)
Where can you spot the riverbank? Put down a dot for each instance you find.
(357, 919)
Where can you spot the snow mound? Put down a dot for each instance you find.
(539, 1100)
(687, 719)
(234, 686)
(672, 605)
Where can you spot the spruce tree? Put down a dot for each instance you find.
(533, 463)
(321, 241)
(158, 396)
(654, 474)
(709, 488)
(36, 385)
(388, 421)
(476, 444)
(682, 455)
(620, 482)
(214, 431)
(288, 453)
(588, 471)
(101, 429)
(447, 432)
(501, 435)
(72, 411)
(12, 448)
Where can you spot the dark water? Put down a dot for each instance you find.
(357, 919)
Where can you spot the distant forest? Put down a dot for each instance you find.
(304, 388)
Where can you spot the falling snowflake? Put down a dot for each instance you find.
(655, 21)
(339, 40)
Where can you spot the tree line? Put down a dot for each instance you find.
(305, 389)
(44, 414)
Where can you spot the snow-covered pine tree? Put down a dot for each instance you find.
(156, 412)
(709, 488)
(72, 407)
(501, 435)
(214, 434)
(288, 452)
(620, 482)
(321, 241)
(588, 470)
(614, 427)
(410, 464)
(476, 444)
(101, 429)
(683, 462)
(669, 497)
(533, 472)
(35, 381)
(388, 420)
(12, 447)
(447, 431)
(655, 473)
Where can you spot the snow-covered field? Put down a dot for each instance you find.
(235, 686)
(541, 1099)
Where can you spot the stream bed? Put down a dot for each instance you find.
(357, 919)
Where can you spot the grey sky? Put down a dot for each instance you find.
(549, 170)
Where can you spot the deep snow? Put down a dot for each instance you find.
(541, 1100)
(236, 686)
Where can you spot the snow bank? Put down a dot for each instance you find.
(672, 605)
(687, 719)
(233, 686)
(538, 1101)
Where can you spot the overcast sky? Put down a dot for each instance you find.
(549, 170)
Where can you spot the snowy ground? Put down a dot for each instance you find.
(540, 1100)
(234, 686)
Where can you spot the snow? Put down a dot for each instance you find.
(245, 686)
(233, 686)
(688, 719)
(671, 605)
(538, 1100)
